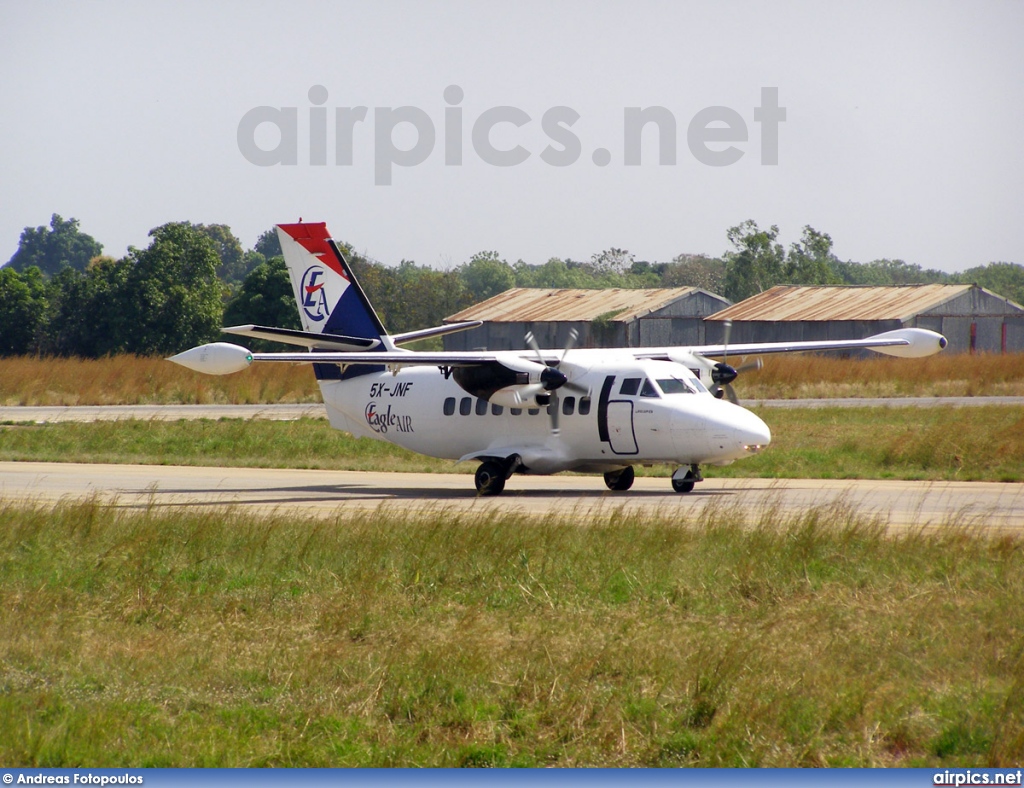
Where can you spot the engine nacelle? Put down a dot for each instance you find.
(518, 396)
(500, 383)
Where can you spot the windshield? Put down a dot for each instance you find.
(680, 386)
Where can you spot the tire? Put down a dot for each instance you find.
(490, 478)
(683, 485)
(620, 481)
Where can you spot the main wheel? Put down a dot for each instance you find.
(683, 485)
(490, 478)
(620, 480)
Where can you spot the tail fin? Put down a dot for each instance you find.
(329, 298)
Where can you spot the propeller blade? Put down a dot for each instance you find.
(730, 392)
(553, 410)
(577, 387)
(750, 366)
(725, 340)
(573, 336)
(531, 341)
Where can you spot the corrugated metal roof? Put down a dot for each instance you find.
(533, 304)
(849, 302)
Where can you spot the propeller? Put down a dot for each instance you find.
(552, 378)
(722, 375)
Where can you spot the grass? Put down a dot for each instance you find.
(966, 444)
(130, 380)
(134, 380)
(445, 639)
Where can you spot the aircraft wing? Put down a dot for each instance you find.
(903, 342)
(222, 358)
(291, 336)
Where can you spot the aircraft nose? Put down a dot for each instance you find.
(753, 434)
(735, 432)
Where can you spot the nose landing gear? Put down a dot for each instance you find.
(684, 479)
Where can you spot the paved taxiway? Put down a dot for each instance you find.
(326, 493)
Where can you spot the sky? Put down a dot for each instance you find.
(903, 134)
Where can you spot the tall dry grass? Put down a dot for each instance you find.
(135, 380)
(942, 375)
(131, 380)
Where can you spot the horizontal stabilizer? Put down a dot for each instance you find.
(312, 340)
(437, 331)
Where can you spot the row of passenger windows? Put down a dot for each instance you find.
(466, 407)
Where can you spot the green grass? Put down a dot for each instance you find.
(403, 639)
(967, 444)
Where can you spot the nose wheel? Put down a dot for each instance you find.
(683, 480)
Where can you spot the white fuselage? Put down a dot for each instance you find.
(618, 415)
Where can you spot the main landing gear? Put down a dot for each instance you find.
(620, 481)
(490, 478)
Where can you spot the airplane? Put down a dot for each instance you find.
(535, 411)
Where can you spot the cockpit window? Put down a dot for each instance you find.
(677, 386)
(648, 390)
(630, 386)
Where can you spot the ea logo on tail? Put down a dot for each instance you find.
(314, 295)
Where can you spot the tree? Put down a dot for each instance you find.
(173, 294)
(886, 272)
(88, 312)
(486, 275)
(1006, 279)
(757, 262)
(611, 261)
(22, 309)
(555, 273)
(268, 244)
(232, 267)
(265, 299)
(63, 245)
(695, 270)
(810, 260)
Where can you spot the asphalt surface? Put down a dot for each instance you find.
(328, 493)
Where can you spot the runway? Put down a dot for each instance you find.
(329, 493)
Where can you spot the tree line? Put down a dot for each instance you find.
(59, 295)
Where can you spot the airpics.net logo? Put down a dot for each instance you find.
(269, 136)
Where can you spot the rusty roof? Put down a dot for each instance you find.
(840, 302)
(531, 304)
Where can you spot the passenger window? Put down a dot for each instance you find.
(481, 407)
(496, 410)
(630, 386)
(584, 406)
(449, 406)
(516, 411)
(568, 406)
(648, 389)
(466, 406)
(533, 411)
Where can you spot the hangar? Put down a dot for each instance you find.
(972, 318)
(614, 317)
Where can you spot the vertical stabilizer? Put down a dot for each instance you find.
(329, 298)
